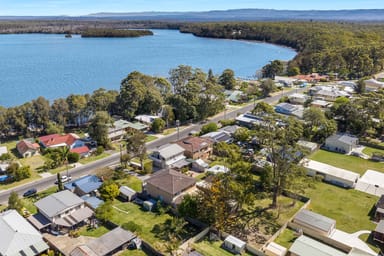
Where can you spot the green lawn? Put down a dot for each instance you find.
(350, 208)
(34, 162)
(369, 151)
(132, 182)
(169, 131)
(132, 253)
(209, 248)
(34, 176)
(93, 232)
(149, 138)
(286, 238)
(146, 220)
(351, 163)
(93, 158)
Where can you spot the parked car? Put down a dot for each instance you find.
(30, 192)
(64, 179)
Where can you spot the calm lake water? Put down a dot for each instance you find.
(53, 66)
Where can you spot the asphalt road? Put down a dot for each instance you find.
(47, 182)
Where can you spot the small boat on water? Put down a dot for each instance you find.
(68, 36)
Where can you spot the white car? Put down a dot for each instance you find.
(64, 179)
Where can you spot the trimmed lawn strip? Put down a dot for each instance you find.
(286, 238)
(351, 163)
(93, 232)
(34, 176)
(93, 158)
(212, 248)
(150, 138)
(350, 208)
(369, 151)
(132, 182)
(132, 253)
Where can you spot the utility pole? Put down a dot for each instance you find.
(178, 126)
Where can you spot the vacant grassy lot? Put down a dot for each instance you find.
(351, 163)
(350, 208)
(93, 158)
(209, 248)
(369, 151)
(126, 212)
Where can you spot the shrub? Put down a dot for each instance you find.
(73, 157)
(158, 125)
(99, 150)
(211, 127)
(5, 156)
(131, 226)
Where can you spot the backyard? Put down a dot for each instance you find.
(212, 248)
(148, 221)
(351, 163)
(350, 208)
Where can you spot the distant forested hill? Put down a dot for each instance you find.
(352, 50)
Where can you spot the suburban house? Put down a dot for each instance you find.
(305, 245)
(235, 96)
(196, 147)
(249, 120)
(373, 85)
(315, 222)
(218, 169)
(92, 201)
(167, 185)
(298, 98)
(234, 245)
(219, 136)
(27, 148)
(127, 194)
(85, 185)
(146, 119)
(274, 249)
(331, 174)
(378, 234)
(168, 155)
(199, 165)
(342, 143)
(311, 78)
(120, 127)
(379, 212)
(308, 146)
(70, 140)
(231, 129)
(289, 109)
(18, 237)
(61, 211)
(321, 104)
(108, 244)
(327, 93)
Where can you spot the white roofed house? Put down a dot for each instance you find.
(298, 98)
(18, 237)
(342, 143)
(315, 222)
(289, 109)
(331, 174)
(168, 155)
(62, 211)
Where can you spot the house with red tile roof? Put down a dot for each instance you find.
(70, 140)
(28, 148)
(196, 147)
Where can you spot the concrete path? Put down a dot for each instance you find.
(352, 240)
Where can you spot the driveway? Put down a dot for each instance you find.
(352, 240)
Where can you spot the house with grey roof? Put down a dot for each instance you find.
(315, 222)
(167, 185)
(62, 210)
(85, 185)
(234, 244)
(341, 142)
(18, 237)
(168, 155)
(298, 98)
(119, 128)
(289, 109)
(108, 244)
(305, 245)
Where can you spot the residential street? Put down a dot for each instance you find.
(46, 182)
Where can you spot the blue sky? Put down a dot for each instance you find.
(83, 7)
